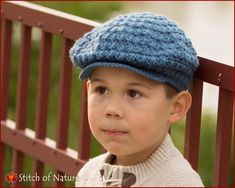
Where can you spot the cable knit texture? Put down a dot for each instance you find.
(165, 167)
(147, 44)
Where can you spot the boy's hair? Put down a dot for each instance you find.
(147, 44)
(170, 91)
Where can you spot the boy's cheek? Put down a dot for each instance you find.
(92, 123)
(95, 100)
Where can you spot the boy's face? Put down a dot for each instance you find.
(128, 113)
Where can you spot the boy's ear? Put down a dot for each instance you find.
(88, 83)
(180, 106)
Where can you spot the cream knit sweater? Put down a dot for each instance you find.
(165, 167)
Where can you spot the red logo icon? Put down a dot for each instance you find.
(11, 177)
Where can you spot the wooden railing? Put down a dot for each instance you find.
(56, 152)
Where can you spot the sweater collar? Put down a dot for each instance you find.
(140, 172)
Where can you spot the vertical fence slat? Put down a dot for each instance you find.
(6, 34)
(23, 78)
(42, 97)
(5, 66)
(64, 98)
(223, 138)
(22, 93)
(193, 124)
(84, 130)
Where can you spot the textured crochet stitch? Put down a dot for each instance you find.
(148, 44)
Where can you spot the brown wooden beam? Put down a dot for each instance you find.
(45, 151)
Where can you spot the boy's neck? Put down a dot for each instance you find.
(133, 159)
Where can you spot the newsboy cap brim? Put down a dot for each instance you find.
(159, 77)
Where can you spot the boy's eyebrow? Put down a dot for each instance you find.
(97, 80)
(129, 84)
(139, 84)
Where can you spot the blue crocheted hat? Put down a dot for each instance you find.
(147, 44)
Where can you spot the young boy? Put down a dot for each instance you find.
(138, 67)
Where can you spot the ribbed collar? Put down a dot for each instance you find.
(143, 171)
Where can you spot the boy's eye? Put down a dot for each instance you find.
(101, 90)
(133, 94)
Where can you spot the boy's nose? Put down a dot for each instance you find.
(113, 114)
(113, 110)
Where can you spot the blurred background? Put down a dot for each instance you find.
(210, 26)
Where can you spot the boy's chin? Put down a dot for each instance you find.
(115, 151)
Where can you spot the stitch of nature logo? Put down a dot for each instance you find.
(11, 177)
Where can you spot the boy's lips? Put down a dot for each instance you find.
(114, 132)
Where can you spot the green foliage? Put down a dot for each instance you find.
(98, 11)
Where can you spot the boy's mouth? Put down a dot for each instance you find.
(114, 132)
